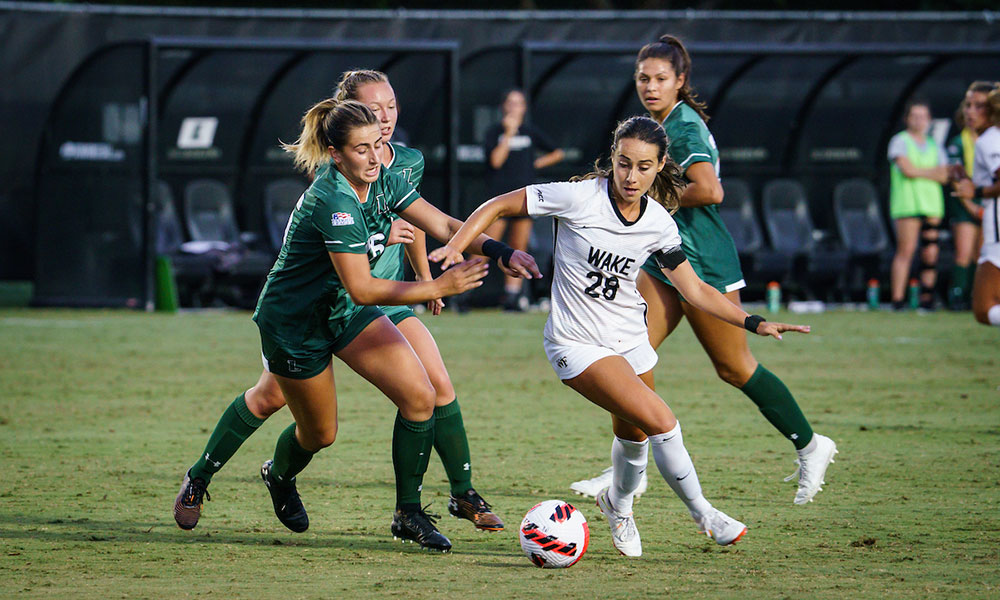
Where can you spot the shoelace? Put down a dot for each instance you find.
(431, 518)
(477, 501)
(797, 473)
(196, 490)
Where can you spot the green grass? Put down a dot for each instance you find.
(101, 412)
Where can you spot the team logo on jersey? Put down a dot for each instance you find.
(341, 218)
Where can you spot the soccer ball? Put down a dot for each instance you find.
(554, 534)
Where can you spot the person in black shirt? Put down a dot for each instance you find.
(512, 148)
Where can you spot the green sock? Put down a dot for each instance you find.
(452, 446)
(233, 428)
(778, 406)
(411, 449)
(961, 281)
(289, 456)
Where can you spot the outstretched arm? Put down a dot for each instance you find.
(511, 204)
(364, 289)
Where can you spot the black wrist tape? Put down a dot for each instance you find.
(752, 322)
(498, 251)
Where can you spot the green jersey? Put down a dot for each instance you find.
(704, 237)
(409, 163)
(303, 292)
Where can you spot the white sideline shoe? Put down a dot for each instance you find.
(812, 469)
(719, 526)
(593, 487)
(624, 534)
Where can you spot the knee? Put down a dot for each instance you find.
(444, 392)
(737, 372)
(419, 404)
(319, 438)
(264, 401)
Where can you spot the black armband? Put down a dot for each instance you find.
(498, 251)
(752, 322)
(977, 193)
(670, 258)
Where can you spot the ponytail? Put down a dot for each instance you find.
(327, 123)
(671, 49)
(350, 81)
(667, 187)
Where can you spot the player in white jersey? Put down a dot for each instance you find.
(596, 337)
(985, 184)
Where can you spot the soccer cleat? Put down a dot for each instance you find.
(719, 526)
(593, 487)
(418, 526)
(624, 533)
(187, 506)
(471, 506)
(285, 498)
(812, 469)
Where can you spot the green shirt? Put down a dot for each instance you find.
(409, 163)
(704, 238)
(303, 291)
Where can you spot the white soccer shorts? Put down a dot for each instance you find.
(570, 361)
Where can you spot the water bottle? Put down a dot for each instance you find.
(873, 294)
(914, 294)
(773, 297)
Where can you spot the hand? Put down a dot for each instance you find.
(435, 306)
(510, 124)
(957, 173)
(964, 189)
(401, 232)
(522, 265)
(446, 255)
(769, 328)
(464, 276)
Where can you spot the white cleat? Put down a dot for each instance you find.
(624, 534)
(812, 469)
(719, 526)
(593, 487)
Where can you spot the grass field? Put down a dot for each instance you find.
(101, 412)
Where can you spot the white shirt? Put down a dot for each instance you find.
(597, 259)
(984, 169)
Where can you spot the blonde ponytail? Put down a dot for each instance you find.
(310, 150)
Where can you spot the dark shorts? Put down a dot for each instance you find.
(311, 357)
(956, 213)
(397, 314)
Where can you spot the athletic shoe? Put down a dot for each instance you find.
(812, 469)
(624, 534)
(187, 506)
(418, 526)
(471, 506)
(719, 526)
(593, 487)
(285, 498)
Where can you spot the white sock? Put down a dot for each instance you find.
(808, 448)
(629, 460)
(993, 315)
(674, 463)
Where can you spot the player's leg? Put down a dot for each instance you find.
(964, 234)
(381, 354)
(986, 294)
(907, 234)
(518, 237)
(238, 422)
(612, 384)
(450, 439)
(726, 346)
(929, 234)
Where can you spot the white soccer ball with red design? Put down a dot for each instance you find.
(554, 534)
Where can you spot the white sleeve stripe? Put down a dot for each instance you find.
(405, 197)
(688, 159)
(356, 245)
(333, 242)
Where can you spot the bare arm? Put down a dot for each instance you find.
(511, 204)
(703, 296)
(704, 188)
(500, 153)
(938, 174)
(416, 254)
(550, 158)
(364, 289)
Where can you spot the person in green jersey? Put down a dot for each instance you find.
(918, 168)
(964, 219)
(319, 299)
(662, 80)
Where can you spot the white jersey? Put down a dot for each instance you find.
(984, 173)
(598, 256)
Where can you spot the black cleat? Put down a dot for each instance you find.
(285, 498)
(418, 526)
(471, 506)
(187, 506)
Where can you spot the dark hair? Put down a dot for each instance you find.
(916, 101)
(327, 123)
(350, 81)
(669, 183)
(992, 91)
(672, 50)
